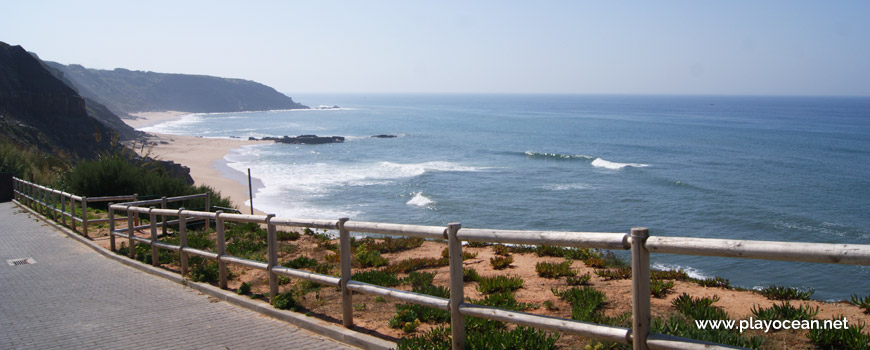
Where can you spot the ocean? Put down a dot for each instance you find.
(793, 169)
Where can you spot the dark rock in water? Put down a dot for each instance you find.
(304, 139)
(384, 136)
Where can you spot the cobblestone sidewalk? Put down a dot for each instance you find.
(74, 298)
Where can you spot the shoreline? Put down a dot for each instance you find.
(203, 156)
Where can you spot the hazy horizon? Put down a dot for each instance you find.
(780, 48)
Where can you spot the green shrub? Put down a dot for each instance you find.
(699, 308)
(680, 326)
(419, 279)
(565, 252)
(244, 288)
(586, 304)
(863, 303)
(496, 284)
(301, 262)
(369, 258)
(465, 255)
(478, 244)
(554, 270)
(596, 262)
(483, 334)
(470, 275)
(578, 280)
(612, 260)
(284, 301)
(504, 300)
(377, 277)
(660, 289)
(851, 338)
(501, 249)
(30, 164)
(203, 271)
(391, 245)
(414, 264)
(774, 292)
(623, 273)
(287, 235)
(409, 316)
(784, 311)
(117, 174)
(678, 275)
(717, 282)
(501, 262)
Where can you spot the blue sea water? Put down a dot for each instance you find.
(762, 168)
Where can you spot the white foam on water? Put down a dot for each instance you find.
(174, 126)
(292, 188)
(420, 200)
(568, 187)
(601, 163)
(691, 271)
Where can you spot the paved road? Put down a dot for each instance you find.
(74, 298)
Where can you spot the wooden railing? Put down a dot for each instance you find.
(637, 240)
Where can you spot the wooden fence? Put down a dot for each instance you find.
(637, 240)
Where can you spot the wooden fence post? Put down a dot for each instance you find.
(182, 240)
(54, 206)
(155, 254)
(63, 208)
(208, 208)
(163, 217)
(222, 249)
(111, 227)
(72, 209)
(85, 216)
(136, 219)
(130, 242)
(457, 294)
(344, 259)
(640, 289)
(272, 238)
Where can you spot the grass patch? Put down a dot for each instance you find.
(498, 284)
(585, 303)
(554, 270)
(244, 288)
(501, 250)
(774, 292)
(483, 334)
(565, 252)
(677, 275)
(301, 262)
(680, 326)
(501, 262)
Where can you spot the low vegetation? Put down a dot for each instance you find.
(501, 262)
(554, 270)
(496, 284)
(774, 292)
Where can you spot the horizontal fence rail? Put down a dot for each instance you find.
(637, 241)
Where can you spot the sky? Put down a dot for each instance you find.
(565, 47)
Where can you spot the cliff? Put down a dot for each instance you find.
(124, 91)
(39, 109)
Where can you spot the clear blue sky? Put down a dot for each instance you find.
(609, 47)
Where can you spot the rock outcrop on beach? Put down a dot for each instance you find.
(302, 139)
(125, 91)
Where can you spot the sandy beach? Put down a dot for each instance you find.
(204, 157)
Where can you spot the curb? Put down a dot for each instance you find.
(311, 324)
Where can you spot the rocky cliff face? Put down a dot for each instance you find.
(125, 91)
(38, 107)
